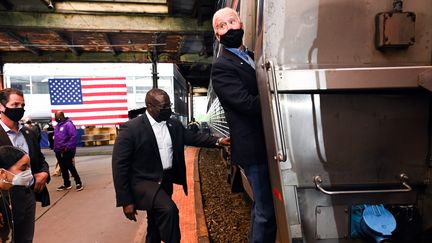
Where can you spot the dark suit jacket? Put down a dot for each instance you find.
(136, 163)
(234, 82)
(37, 159)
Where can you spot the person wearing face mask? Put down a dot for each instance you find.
(23, 196)
(14, 171)
(234, 81)
(65, 139)
(148, 157)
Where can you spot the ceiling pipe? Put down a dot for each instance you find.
(49, 3)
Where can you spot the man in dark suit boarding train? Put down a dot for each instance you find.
(148, 157)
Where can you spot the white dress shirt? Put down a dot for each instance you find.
(163, 139)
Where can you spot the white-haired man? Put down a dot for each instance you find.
(234, 81)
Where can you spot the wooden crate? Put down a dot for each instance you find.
(94, 136)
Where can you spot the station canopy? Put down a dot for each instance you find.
(110, 31)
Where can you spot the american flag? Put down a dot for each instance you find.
(90, 101)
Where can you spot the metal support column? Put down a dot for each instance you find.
(2, 84)
(154, 62)
(154, 68)
(191, 112)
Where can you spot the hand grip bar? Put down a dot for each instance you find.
(403, 177)
(281, 154)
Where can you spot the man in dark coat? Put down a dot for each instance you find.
(23, 196)
(148, 157)
(234, 81)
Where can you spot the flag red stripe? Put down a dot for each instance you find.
(96, 117)
(101, 86)
(98, 123)
(93, 109)
(104, 93)
(101, 123)
(103, 79)
(104, 101)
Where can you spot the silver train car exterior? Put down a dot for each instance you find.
(345, 89)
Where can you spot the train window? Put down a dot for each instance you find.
(142, 89)
(39, 85)
(130, 84)
(165, 83)
(21, 82)
(143, 84)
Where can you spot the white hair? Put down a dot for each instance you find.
(222, 12)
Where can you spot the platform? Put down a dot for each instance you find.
(91, 216)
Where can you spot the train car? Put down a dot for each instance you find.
(345, 95)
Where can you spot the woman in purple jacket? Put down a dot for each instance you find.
(65, 138)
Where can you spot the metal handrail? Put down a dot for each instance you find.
(281, 154)
(403, 177)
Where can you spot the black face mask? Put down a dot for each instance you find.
(164, 115)
(58, 120)
(232, 38)
(15, 114)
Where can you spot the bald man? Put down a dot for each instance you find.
(148, 157)
(234, 81)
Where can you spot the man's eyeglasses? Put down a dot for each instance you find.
(224, 25)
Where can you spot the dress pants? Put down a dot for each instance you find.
(23, 210)
(163, 218)
(65, 161)
(263, 225)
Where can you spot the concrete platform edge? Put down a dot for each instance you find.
(201, 226)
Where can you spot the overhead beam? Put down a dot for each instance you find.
(6, 4)
(69, 43)
(113, 7)
(100, 22)
(195, 58)
(25, 43)
(109, 42)
(130, 1)
(95, 57)
(64, 57)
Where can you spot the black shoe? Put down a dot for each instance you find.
(63, 187)
(79, 187)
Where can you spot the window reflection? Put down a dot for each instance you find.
(39, 85)
(21, 82)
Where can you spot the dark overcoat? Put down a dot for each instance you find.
(136, 163)
(235, 84)
(37, 159)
